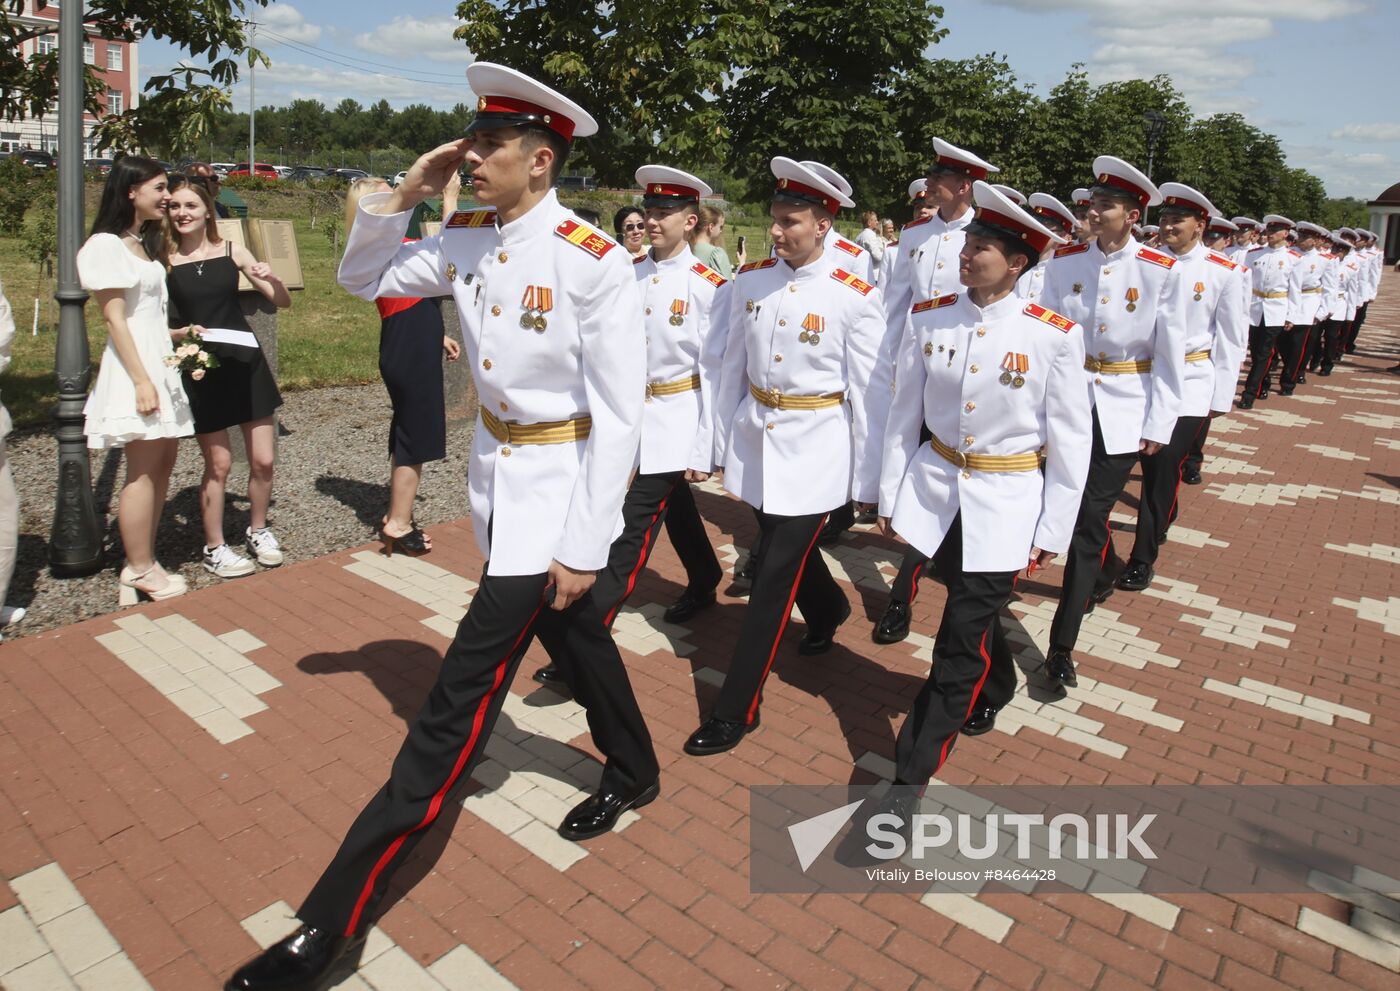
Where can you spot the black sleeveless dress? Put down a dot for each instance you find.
(242, 387)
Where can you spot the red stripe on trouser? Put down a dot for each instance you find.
(1264, 379)
(792, 597)
(435, 805)
(976, 691)
(1303, 354)
(637, 568)
(914, 585)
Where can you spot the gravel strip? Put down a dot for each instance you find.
(330, 493)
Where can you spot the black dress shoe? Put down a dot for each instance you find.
(310, 959)
(1059, 668)
(1161, 538)
(1263, 395)
(1191, 475)
(744, 575)
(818, 639)
(715, 736)
(1328, 371)
(1284, 392)
(902, 802)
(597, 814)
(894, 624)
(1245, 403)
(1302, 377)
(688, 605)
(551, 675)
(1136, 578)
(983, 718)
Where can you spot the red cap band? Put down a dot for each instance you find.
(669, 189)
(1184, 204)
(1053, 217)
(552, 119)
(966, 168)
(810, 193)
(1036, 239)
(1118, 182)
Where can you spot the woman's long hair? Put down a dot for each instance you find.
(211, 221)
(116, 212)
(709, 215)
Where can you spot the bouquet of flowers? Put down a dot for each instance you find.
(191, 357)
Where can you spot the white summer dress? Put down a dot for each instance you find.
(105, 263)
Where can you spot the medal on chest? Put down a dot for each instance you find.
(679, 308)
(1199, 288)
(537, 301)
(813, 326)
(1132, 296)
(1014, 368)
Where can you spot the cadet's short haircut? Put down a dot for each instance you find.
(535, 137)
(1009, 243)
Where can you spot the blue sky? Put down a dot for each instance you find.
(1340, 118)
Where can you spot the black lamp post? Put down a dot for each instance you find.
(75, 544)
(1154, 122)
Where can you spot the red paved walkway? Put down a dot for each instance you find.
(161, 787)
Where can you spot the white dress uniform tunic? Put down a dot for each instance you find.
(1271, 272)
(584, 355)
(1217, 330)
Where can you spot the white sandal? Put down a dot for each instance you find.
(133, 586)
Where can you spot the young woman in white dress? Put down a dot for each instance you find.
(138, 402)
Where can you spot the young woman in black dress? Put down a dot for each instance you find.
(203, 285)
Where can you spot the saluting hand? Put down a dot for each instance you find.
(429, 175)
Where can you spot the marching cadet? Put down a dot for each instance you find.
(918, 199)
(1349, 293)
(927, 268)
(997, 381)
(1054, 215)
(1217, 329)
(1271, 268)
(1079, 203)
(798, 430)
(1335, 306)
(684, 307)
(1125, 298)
(552, 326)
(1218, 237)
(1309, 283)
(845, 254)
(1369, 261)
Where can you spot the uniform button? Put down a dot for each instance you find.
(981, 331)
(505, 452)
(1103, 299)
(1102, 327)
(1097, 380)
(782, 323)
(777, 357)
(969, 406)
(792, 287)
(503, 257)
(648, 311)
(1103, 355)
(940, 264)
(968, 440)
(655, 279)
(769, 427)
(973, 369)
(504, 407)
(967, 474)
(495, 311)
(1107, 269)
(947, 237)
(486, 364)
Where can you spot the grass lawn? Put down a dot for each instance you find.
(328, 337)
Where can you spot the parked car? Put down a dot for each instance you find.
(101, 166)
(222, 168)
(263, 171)
(350, 175)
(35, 159)
(283, 171)
(398, 178)
(577, 182)
(303, 173)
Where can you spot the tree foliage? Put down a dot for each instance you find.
(177, 108)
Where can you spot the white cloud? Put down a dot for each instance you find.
(1367, 132)
(288, 81)
(410, 37)
(287, 21)
(1364, 175)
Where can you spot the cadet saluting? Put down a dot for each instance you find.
(797, 430)
(552, 326)
(997, 380)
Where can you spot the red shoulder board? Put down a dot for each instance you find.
(854, 250)
(1044, 315)
(1221, 260)
(846, 278)
(585, 237)
(1071, 249)
(708, 274)
(471, 218)
(933, 304)
(762, 263)
(640, 258)
(1156, 257)
(916, 223)
(893, 244)
(1295, 254)
(1259, 248)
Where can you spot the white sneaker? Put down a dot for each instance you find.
(11, 614)
(226, 562)
(262, 544)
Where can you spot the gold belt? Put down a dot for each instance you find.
(689, 384)
(550, 432)
(774, 399)
(1271, 295)
(1313, 289)
(1118, 367)
(988, 462)
(1195, 356)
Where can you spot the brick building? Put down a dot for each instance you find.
(116, 62)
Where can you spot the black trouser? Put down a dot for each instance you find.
(449, 735)
(911, 569)
(1091, 547)
(1355, 328)
(1292, 345)
(1262, 342)
(790, 569)
(971, 662)
(1332, 342)
(1317, 345)
(1196, 455)
(692, 543)
(1161, 485)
